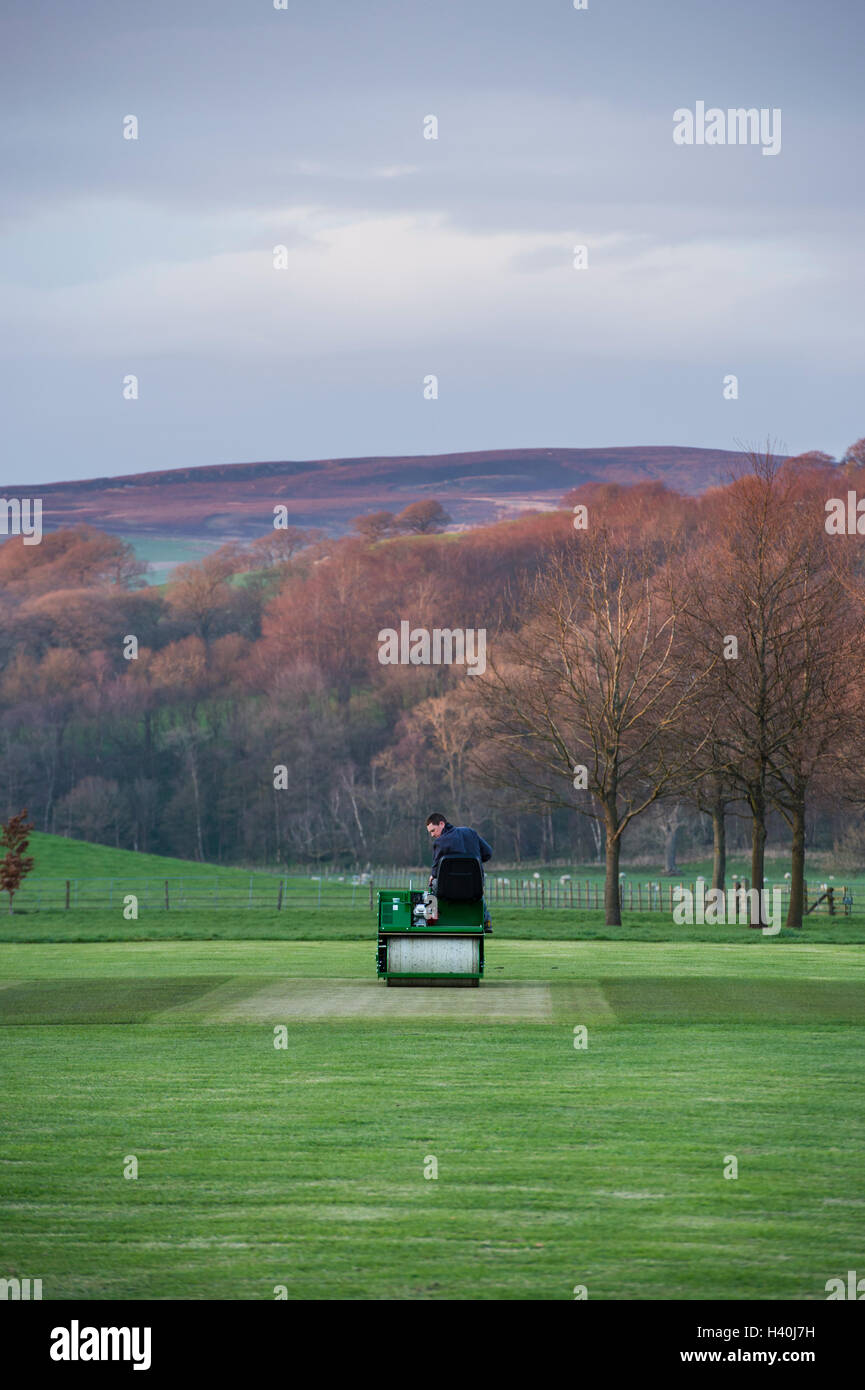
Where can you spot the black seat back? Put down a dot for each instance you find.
(460, 879)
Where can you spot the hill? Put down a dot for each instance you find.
(237, 499)
(56, 856)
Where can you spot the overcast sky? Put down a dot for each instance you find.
(406, 256)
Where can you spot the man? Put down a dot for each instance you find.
(457, 839)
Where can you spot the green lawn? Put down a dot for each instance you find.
(303, 1166)
(327, 923)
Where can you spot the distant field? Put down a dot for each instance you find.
(162, 553)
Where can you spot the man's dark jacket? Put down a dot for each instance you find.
(459, 839)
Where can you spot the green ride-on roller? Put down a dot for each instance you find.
(434, 937)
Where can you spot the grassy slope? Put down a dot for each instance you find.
(57, 857)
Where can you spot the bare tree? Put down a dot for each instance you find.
(763, 594)
(587, 706)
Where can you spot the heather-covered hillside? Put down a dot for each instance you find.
(234, 500)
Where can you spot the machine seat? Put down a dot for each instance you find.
(460, 879)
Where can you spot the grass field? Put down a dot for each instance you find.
(225, 903)
(326, 924)
(303, 1166)
(162, 553)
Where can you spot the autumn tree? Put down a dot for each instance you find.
(422, 518)
(375, 525)
(809, 461)
(73, 557)
(645, 511)
(197, 592)
(16, 864)
(280, 545)
(328, 617)
(447, 725)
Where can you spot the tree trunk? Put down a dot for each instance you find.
(198, 838)
(719, 845)
(797, 867)
(758, 851)
(598, 839)
(671, 844)
(612, 907)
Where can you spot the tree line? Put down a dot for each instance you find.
(669, 651)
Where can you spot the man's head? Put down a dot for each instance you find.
(435, 824)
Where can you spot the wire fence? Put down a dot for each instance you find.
(649, 895)
(197, 892)
(283, 892)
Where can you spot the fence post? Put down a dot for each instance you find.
(166, 895)
(279, 897)
(68, 887)
(370, 894)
